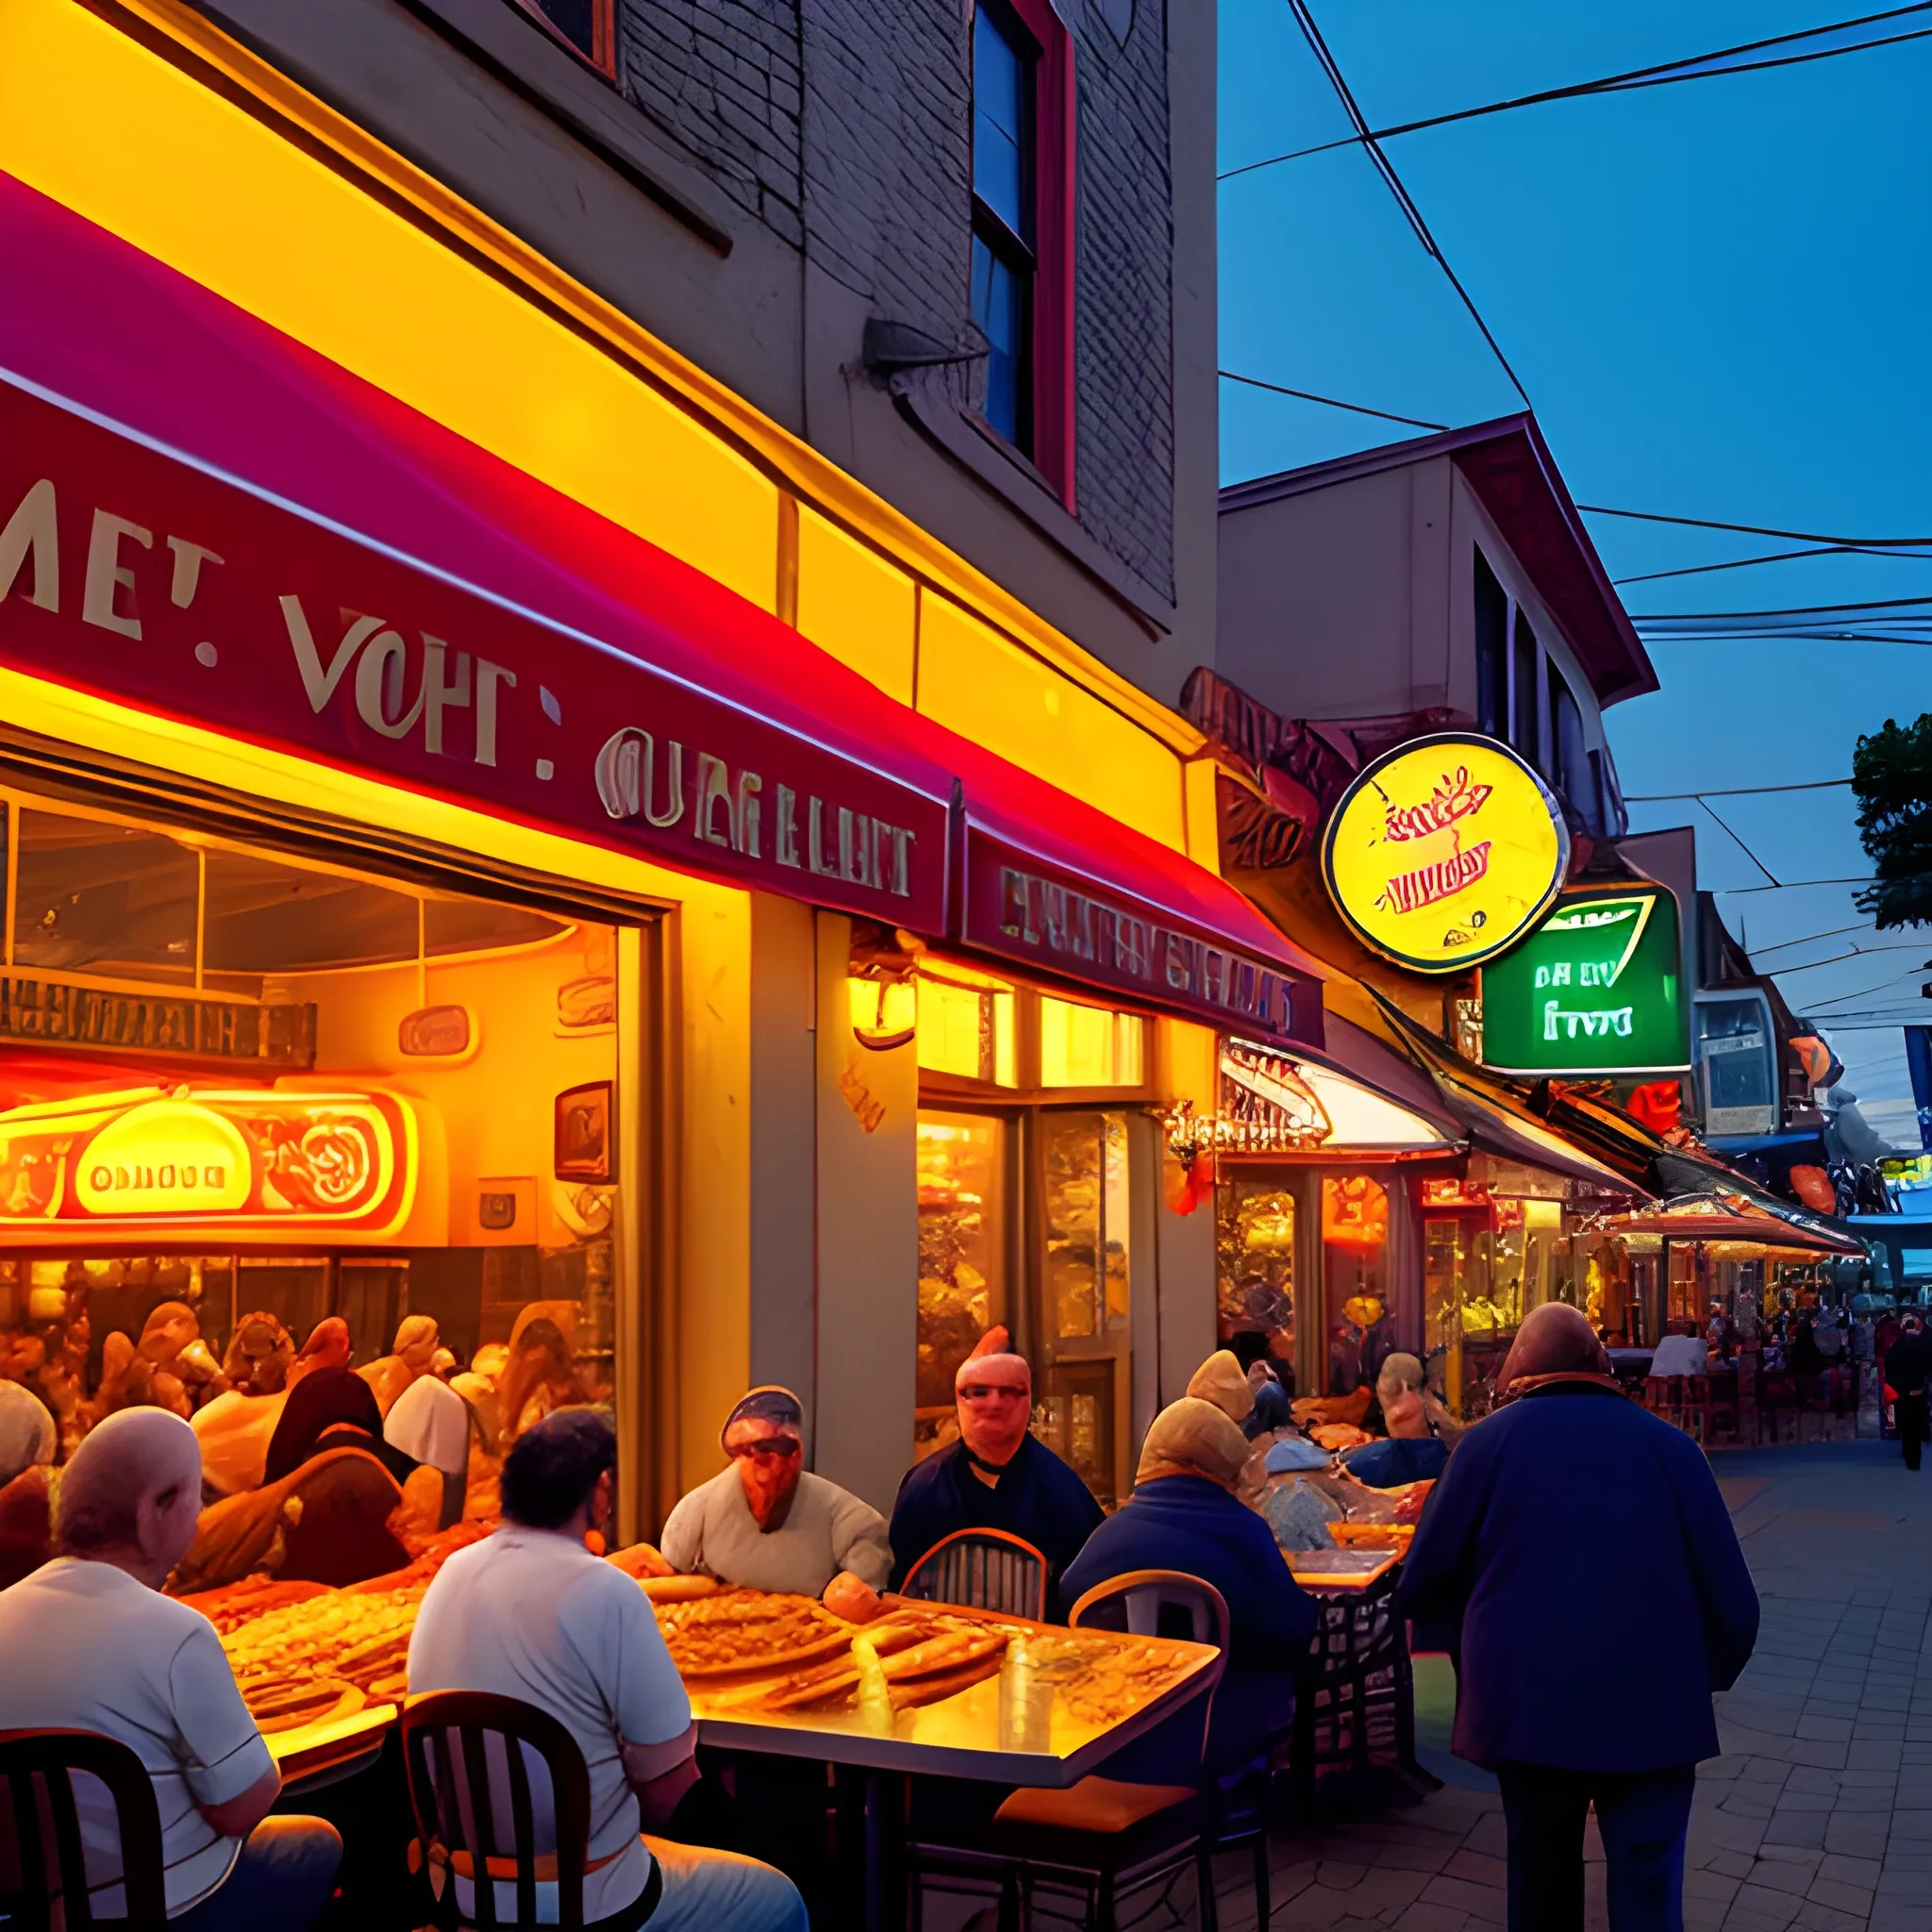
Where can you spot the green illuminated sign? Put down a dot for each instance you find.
(1593, 989)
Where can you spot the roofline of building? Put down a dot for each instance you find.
(1542, 524)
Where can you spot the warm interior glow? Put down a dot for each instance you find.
(1361, 1118)
(966, 1028)
(1089, 1046)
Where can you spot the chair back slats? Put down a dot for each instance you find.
(982, 1570)
(1150, 1603)
(38, 1768)
(455, 1744)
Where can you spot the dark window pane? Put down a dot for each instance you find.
(1001, 82)
(1570, 753)
(102, 898)
(1491, 651)
(576, 20)
(1527, 706)
(999, 307)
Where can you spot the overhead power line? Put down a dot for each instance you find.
(1653, 516)
(1847, 611)
(1789, 886)
(1312, 34)
(1698, 570)
(1308, 395)
(1732, 792)
(1666, 74)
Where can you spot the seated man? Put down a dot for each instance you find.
(110, 1654)
(1184, 1515)
(768, 1523)
(530, 1613)
(997, 1476)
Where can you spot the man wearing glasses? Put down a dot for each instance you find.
(997, 1476)
(766, 1522)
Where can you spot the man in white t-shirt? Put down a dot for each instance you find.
(92, 1646)
(530, 1613)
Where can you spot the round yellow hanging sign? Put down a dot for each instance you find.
(1444, 852)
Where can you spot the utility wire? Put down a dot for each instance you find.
(1666, 74)
(1789, 886)
(1846, 611)
(1312, 34)
(1731, 791)
(1698, 570)
(1812, 937)
(1739, 843)
(1651, 516)
(1308, 395)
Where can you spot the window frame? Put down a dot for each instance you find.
(1046, 49)
(602, 57)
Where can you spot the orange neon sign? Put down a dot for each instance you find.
(182, 1158)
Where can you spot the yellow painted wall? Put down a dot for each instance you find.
(110, 128)
(974, 682)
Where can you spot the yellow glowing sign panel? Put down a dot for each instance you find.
(1444, 852)
(194, 1158)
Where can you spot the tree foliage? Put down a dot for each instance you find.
(1891, 779)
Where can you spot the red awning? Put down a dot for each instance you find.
(305, 562)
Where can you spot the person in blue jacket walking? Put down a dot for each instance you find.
(1573, 1526)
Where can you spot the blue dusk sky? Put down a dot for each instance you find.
(1719, 297)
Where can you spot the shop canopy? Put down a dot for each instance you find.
(1756, 1230)
(206, 520)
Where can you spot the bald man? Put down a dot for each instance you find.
(110, 1654)
(997, 1476)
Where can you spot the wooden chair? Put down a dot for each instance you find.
(42, 1862)
(470, 1791)
(982, 1570)
(1102, 1838)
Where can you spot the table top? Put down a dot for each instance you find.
(312, 1753)
(1340, 1570)
(976, 1733)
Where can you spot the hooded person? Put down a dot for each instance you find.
(414, 1350)
(330, 1407)
(1411, 1452)
(1185, 1515)
(236, 1429)
(1512, 1557)
(997, 1476)
(429, 1423)
(28, 1438)
(328, 1347)
(766, 1522)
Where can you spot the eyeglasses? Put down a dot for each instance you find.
(776, 1447)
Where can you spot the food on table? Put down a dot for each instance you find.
(361, 1639)
(1100, 1680)
(1372, 1535)
(853, 1598)
(416, 1574)
(641, 1560)
(1339, 1435)
(291, 1707)
(922, 1654)
(234, 1604)
(1332, 1409)
(733, 1630)
(679, 1590)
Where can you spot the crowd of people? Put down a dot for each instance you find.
(1503, 1569)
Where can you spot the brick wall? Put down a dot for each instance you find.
(844, 125)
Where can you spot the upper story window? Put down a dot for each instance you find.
(587, 27)
(1023, 127)
(1525, 697)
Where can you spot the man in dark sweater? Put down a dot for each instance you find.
(1569, 1514)
(997, 1476)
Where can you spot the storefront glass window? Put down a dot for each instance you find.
(1448, 1251)
(963, 1163)
(966, 1030)
(1083, 1289)
(1089, 1046)
(1545, 1261)
(354, 1103)
(1355, 1263)
(1686, 1299)
(1255, 1224)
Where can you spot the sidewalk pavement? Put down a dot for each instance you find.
(1819, 1815)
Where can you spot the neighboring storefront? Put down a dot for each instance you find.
(497, 831)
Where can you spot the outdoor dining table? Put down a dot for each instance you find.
(958, 1737)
